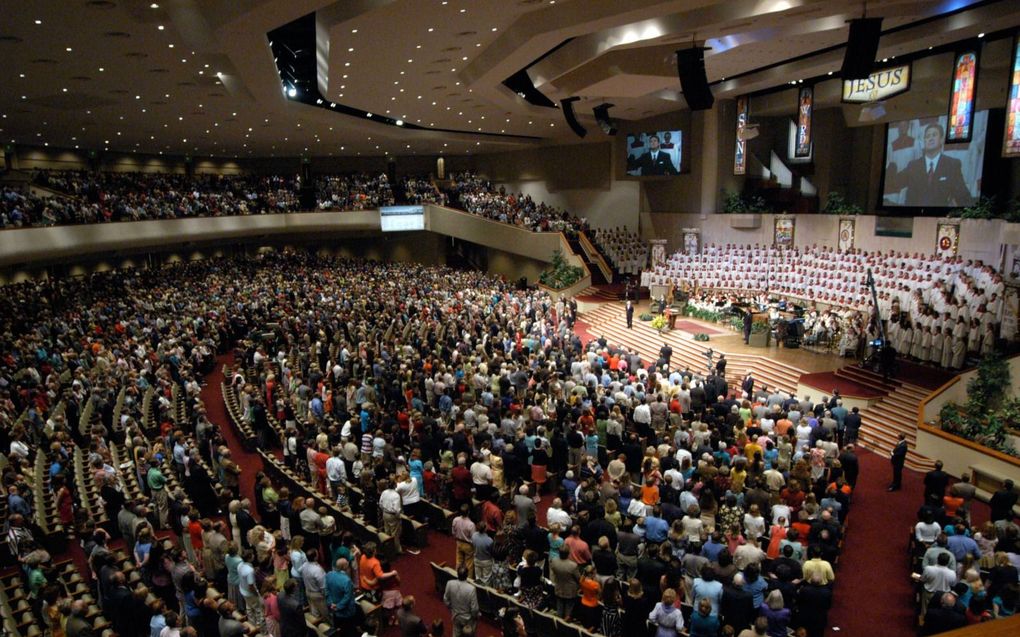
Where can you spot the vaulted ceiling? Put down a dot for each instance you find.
(198, 76)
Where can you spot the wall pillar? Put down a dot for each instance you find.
(709, 159)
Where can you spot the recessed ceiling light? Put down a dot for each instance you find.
(431, 29)
(347, 63)
(410, 61)
(161, 27)
(21, 75)
(38, 21)
(350, 50)
(170, 46)
(463, 10)
(493, 28)
(981, 35)
(101, 69)
(68, 49)
(153, 6)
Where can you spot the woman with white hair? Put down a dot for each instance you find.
(777, 615)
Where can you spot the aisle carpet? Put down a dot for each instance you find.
(827, 381)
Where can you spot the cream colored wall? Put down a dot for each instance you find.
(979, 238)
(617, 206)
(958, 459)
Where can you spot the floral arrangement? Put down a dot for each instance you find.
(659, 322)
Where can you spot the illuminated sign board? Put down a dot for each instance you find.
(879, 85)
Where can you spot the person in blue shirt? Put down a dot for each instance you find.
(713, 547)
(704, 623)
(340, 597)
(961, 545)
(656, 528)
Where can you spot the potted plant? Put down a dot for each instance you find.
(560, 274)
(759, 334)
(837, 204)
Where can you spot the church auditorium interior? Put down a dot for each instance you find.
(550, 318)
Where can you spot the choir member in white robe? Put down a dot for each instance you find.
(946, 358)
(959, 353)
(987, 339)
(928, 343)
(917, 343)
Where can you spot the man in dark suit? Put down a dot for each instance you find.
(899, 456)
(935, 482)
(935, 179)
(666, 353)
(656, 161)
(630, 315)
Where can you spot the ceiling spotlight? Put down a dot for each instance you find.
(981, 35)
(38, 21)
(400, 122)
(368, 115)
(161, 27)
(292, 92)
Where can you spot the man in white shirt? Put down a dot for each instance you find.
(410, 498)
(556, 515)
(336, 472)
(392, 507)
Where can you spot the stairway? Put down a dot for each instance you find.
(597, 278)
(609, 320)
(598, 293)
(892, 415)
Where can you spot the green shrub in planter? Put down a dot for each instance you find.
(701, 336)
(645, 316)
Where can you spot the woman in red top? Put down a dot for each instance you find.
(65, 502)
(194, 546)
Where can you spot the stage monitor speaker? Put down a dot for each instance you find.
(606, 123)
(861, 48)
(568, 114)
(690, 66)
(307, 199)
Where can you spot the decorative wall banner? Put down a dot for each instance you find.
(740, 153)
(880, 85)
(692, 240)
(1011, 138)
(658, 252)
(947, 240)
(805, 109)
(961, 98)
(847, 233)
(784, 232)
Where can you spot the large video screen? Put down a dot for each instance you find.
(401, 218)
(653, 154)
(922, 171)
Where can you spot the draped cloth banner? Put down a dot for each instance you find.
(947, 240)
(692, 240)
(658, 252)
(784, 232)
(847, 234)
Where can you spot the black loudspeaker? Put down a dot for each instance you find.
(568, 114)
(690, 66)
(861, 48)
(306, 197)
(602, 117)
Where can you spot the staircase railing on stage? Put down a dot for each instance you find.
(596, 256)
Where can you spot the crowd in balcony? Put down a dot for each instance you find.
(479, 196)
(358, 191)
(423, 190)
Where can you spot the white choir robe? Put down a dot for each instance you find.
(929, 345)
(946, 358)
(959, 353)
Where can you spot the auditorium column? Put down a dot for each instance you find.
(709, 159)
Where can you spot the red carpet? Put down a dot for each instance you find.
(827, 381)
(922, 375)
(696, 328)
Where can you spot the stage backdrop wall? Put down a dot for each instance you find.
(979, 238)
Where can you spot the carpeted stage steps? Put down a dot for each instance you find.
(600, 293)
(609, 320)
(892, 415)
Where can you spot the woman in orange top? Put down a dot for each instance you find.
(588, 613)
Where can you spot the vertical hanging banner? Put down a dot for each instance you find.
(947, 240)
(961, 98)
(740, 153)
(784, 232)
(1011, 138)
(692, 240)
(847, 230)
(805, 109)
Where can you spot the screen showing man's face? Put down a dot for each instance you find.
(653, 143)
(932, 140)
